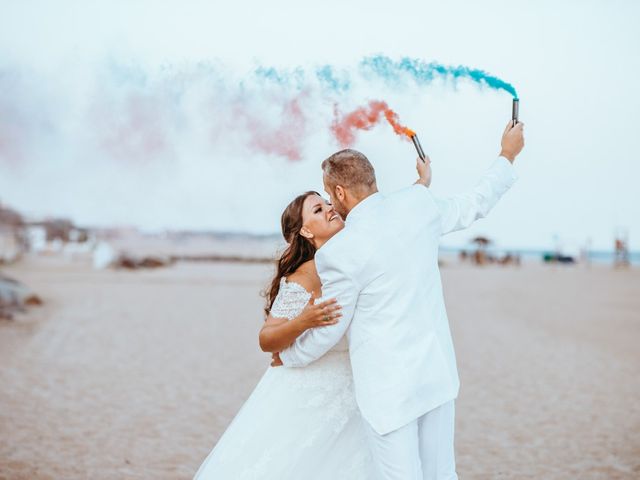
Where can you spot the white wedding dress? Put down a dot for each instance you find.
(299, 423)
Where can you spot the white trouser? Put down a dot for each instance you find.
(420, 450)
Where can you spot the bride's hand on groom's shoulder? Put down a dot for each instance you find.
(275, 360)
(319, 315)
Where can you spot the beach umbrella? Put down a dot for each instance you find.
(481, 241)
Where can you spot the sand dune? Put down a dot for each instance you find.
(136, 374)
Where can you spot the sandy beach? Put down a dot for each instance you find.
(135, 375)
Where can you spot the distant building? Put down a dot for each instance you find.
(13, 242)
(18, 236)
(54, 235)
(11, 248)
(37, 237)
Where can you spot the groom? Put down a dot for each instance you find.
(383, 269)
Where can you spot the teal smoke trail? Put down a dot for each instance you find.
(390, 70)
(330, 78)
(425, 73)
(285, 78)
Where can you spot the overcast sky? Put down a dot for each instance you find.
(575, 65)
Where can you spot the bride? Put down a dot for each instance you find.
(298, 422)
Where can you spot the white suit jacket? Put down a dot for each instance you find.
(383, 269)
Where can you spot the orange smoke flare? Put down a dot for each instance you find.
(365, 118)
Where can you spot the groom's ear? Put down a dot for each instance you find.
(340, 193)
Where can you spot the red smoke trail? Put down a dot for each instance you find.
(133, 128)
(365, 118)
(285, 139)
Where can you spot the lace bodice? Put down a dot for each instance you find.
(291, 300)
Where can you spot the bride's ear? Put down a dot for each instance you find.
(306, 233)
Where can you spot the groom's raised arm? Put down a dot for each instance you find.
(336, 283)
(460, 211)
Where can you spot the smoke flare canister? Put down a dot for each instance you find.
(416, 143)
(514, 111)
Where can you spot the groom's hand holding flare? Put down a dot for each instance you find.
(424, 171)
(512, 141)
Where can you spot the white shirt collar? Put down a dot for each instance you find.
(364, 206)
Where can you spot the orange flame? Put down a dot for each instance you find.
(365, 118)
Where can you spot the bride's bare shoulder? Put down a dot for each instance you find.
(306, 276)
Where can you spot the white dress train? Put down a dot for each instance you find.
(298, 423)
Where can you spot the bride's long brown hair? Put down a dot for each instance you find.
(298, 251)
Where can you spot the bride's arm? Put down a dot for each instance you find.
(278, 333)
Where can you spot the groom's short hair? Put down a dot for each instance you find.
(350, 169)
